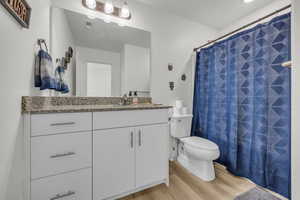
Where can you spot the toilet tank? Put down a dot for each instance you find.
(181, 126)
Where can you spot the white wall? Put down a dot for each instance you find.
(172, 41)
(16, 79)
(135, 69)
(61, 39)
(85, 55)
(295, 100)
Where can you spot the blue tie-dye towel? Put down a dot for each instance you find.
(62, 85)
(44, 73)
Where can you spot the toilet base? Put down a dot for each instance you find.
(201, 168)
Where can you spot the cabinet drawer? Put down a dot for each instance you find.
(73, 185)
(55, 154)
(104, 120)
(46, 124)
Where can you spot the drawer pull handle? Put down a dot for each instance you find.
(63, 155)
(131, 139)
(140, 138)
(63, 124)
(60, 196)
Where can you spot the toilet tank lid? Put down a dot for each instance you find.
(200, 143)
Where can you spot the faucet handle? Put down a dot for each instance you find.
(124, 100)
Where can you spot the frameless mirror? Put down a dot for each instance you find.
(108, 59)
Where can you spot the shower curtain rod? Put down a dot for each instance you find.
(243, 27)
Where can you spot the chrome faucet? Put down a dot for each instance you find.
(125, 100)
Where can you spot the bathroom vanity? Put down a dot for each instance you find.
(88, 147)
(97, 152)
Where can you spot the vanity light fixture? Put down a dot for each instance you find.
(108, 7)
(125, 13)
(91, 4)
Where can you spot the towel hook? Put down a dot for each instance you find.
(42, 41)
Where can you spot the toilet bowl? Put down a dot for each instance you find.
(194, 153)
(197, 155)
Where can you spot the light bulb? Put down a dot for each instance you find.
(91, 4)
(108, 7)
(248, 1)
(125, 13)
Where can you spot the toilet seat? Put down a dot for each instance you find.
(200, 143)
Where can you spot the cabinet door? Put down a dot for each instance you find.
(151, 154)
(113, 164)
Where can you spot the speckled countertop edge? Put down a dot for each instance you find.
(44, 105)
(76, 110)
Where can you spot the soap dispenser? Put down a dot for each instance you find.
(135, 99)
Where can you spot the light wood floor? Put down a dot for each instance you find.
(185, 186)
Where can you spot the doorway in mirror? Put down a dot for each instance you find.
(98, 80)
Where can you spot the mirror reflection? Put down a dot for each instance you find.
(109, 59)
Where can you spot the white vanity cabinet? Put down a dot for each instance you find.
(95, 155)
(129, 159)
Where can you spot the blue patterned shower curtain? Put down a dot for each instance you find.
(242, 102)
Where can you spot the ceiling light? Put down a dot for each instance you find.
(248, 1)
(108, 7)
(125, 13)
(91, 4)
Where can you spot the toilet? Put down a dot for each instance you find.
(194, 153)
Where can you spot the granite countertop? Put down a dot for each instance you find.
(41, 105)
